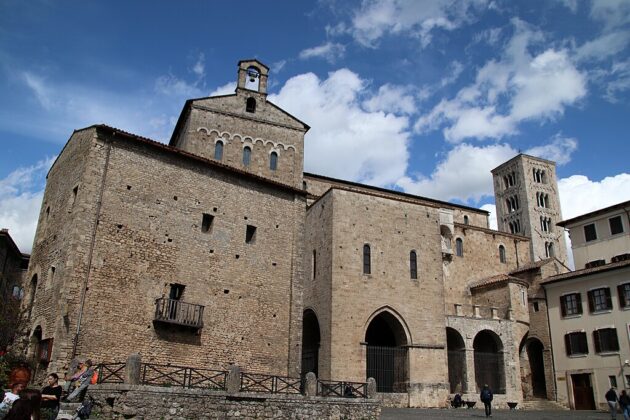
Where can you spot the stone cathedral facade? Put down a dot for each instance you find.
(219, 249)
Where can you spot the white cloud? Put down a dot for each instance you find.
(329, 51)
(171, 85)
(21, 194)
(226, 89)
(580, 195)
(39, 88)
(199, 68)
(604, 46)
(518, 87)
(559, 150)
(377, 18)
(390, 98)
(613, 13)
(492, 217)
(490, 36)
(620, 74)
(463, 175)
(346, 141)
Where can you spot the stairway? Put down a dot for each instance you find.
(540, 405)
(67, 411)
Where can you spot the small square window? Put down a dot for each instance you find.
(250, 234)
(590, 234)
(575, 343)
(616, 226)
(613, 381)
(599, 300)
(571, 304)
(606, 340)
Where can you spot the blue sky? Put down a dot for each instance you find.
(420, 96)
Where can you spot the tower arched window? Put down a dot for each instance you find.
(367, 263)
(273, 161)
(247, 155)
(459, 247)
(250, 105)
(502, 258)
(413, 265)
(465, 219)
(218, 150)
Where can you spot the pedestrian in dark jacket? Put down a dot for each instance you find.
(624, 401)
(486, 397)
(611, 398)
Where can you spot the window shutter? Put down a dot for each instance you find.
(563, 306)
(596, 338)
(614, 340)
(567, 344)
(583, 343)
(622, 298)
(608, 298)
(591, 302)
(579, 302)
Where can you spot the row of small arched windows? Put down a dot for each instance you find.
(247, 155)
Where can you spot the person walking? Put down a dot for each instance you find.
(486, 397)
(611, 398)
(624, 402)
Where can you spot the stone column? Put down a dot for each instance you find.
(371, 388)
(132, 369)
(233, 381)
(471, 386)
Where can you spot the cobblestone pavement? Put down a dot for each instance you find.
(415, 413)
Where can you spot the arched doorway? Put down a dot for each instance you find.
(387, 360)
(456, 361)
(310, 343)
(489, 369)
(532, 368)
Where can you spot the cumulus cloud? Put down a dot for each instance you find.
(21, 194)
(378, 18)
(226, 89)
(329, 51)
(518, 87)
(390, 98)
(579, 194)
(559, 150)
(346, 140)
(464, 174)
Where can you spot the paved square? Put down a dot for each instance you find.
(414, 413)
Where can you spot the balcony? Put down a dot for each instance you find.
(178, 313)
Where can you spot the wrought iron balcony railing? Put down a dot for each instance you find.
(176, 312)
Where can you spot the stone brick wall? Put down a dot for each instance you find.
(149, 402)
(149, 236)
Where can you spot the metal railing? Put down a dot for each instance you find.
(257, 382)
(187, 377)
(342, 389)
(172, 311)
(111, 373)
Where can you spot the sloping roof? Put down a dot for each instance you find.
(175, 151)
(494, 280)
(586, 272)
(531, 266)
(618, 206)
(5, 233)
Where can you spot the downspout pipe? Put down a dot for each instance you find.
(91, 250)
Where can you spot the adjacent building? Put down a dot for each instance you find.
(589, 309)
(12, 274)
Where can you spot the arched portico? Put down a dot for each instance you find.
(387, 358)
(532, 364)
(489, 367)
(310, 342)
(456, 348)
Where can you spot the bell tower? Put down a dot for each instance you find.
(252, 76)
(528, 203)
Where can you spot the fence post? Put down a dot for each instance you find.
(233, 381)
(132, 369)
(371, 388)
(310, 387)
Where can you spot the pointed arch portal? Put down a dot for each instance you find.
(387, 359)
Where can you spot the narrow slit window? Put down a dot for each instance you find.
(459, 247)
(251, 105)
(218, 150)
(75, 191)
(314, 264)
(247, 155)
(250, 234)
(273, 161)
(206, 222)
(413, 265)
(367, 263)
(502, 258)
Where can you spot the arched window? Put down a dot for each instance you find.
(502, 254)
(549, 249)
(465, 220)
(273, 161)
(367, 264)
(251, 105)
(459, 247)
(247, 155)
(413, 265)
(218, 150)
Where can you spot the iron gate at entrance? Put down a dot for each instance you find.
(388, 365)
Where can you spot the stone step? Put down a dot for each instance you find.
(67, 411)
(542, 405)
